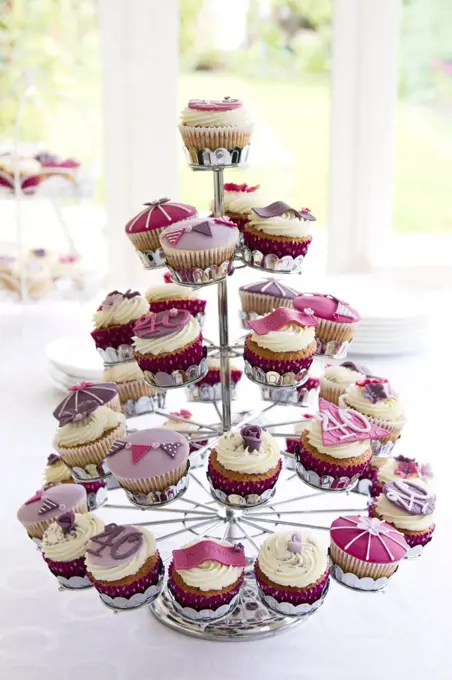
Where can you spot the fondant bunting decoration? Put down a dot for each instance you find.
(170, 448)
(175, 236)
(202, 228)
(139, 451)
(342, 426)
(208, 551)
(118, 445)
(279, 318)
(47, 505)
(36, 497)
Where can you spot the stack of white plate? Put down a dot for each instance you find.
(72, 359)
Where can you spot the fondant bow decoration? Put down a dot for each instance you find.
(158, 201)
(279, 208)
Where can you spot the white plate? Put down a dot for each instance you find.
(75, 356)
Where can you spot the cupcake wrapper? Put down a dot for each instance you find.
(277, 245)
(114, 336)
(213, 377)
(294, 596)
(127, 591)
(159, 483)
(260, 304)
(276, 365)
(199, 601)
(328, 469)
(330, 391)
(94, 453)
(67, 569)
(291, 443)
(300, 396)
(134, 389)
(352, 565)
(37, 529)
(328, 331)
(241, 488)
(202, 138)
(144, 404)
(195, 307)
(115, 403)
(182, 359)
(412, 538)
(199, 391)
(186, 260)
(92, 487)
(146, 240)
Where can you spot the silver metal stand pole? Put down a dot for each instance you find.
(223, 314)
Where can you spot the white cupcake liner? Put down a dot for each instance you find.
(204, 614)
(289, 609)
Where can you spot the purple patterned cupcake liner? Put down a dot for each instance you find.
(199, 602)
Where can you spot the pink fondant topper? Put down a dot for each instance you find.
(36, 497)
(242, 188)
(226, 104)
(342, 426)
(209, 551)
(160, 324)
(279, 318)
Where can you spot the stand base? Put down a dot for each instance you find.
(250, 620)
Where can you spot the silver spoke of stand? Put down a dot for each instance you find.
(167, 414)
(256, 526)
(174, 521)
(111, 506)
(290, 500)
(184, 530)
(254, 414)
(283, 424)
(306, 512)
(196, 504)
(289, 524)
(211, 528)
(248, 537)
(180, 511)
(217, 410)
(193, 476)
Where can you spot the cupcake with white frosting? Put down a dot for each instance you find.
(209, 387)
(135, 395)
(87, 427)
(124, 566)
(114, 321)
(278, 232)
(382, 470)
(205, 577)
(280, 348)
(168, 347)
(292, 570)
(336, 379)
(56, 471)
(376, 399)
(238, 201)
(64, 546)
(262, 297)
(299, 428)
(172, 296)
(244, 466)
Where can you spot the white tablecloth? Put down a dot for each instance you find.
(403, 632)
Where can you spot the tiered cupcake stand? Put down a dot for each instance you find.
(202, 514)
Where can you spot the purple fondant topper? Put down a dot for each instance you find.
(279, 208)
(208, 551)
(115, 298)
(411, 497)
(114, 545)
(140, 450)
(47, 505)
(251, 435)
(161, 324)
(295, 543)
(376, 389)
(83, 399)
(279, 318)
(359, 368)
(342, 426)
(53, 459)
(66, 521)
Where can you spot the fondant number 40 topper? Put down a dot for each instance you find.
(159, 324)
(342, 426)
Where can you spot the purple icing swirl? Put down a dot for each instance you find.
(411, 497)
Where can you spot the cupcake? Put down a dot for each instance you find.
(151, 465)
(209, 387)
(145, 228)
(277, 237)
(365, 552)
(64, 544)
(186, 428)
(336, 379)
(382, 470)
(168, 348)
(221, 127)
(135, 395)
(200, 250)
(263, 297)
(244, 467)
(57, 472)
(292, 572)
(281, 347)
(335, 448)
(238, 201)
(114, 321)
(375, 398)
(87, 427)
(46, 505)
(305, 395)
(171, 296)
(299, 428)
(205, 577)
(336, 321)
(124, 566)
(409, 507)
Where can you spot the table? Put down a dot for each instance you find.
(403, 632)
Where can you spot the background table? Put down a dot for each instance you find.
(403, 632)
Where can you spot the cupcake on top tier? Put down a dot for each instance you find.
(209, 387)
(87, 427)
(144, 229)
(336, 379)
(382, 470)
(336, 321)
(281, 347)
(114, 321)
(375, 398)
(216, 132)
(409, 507)
(292, 572)
(239, 199)
(335, 448)
(47, 504)
(151, 465)
(365, 551)
(205, 578)
(277, 237)
(64, 546)
(171, 296)
(200, 250)
(263, 297)
(168, 347)
(135, 395)
(244, 467)
(124, 566)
